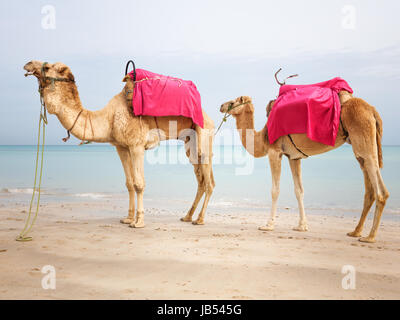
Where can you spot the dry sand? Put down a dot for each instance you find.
(96, 257)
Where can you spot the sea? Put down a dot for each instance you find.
(333, 182)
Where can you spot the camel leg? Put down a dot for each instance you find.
(369, 199)
(126, 161)
(137, 155)
(199, 194)
(362, 135)
(295, 166)
(275, 160)
(208, 185)
(381, 195)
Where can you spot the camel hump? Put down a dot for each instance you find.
(269, 106)
(344, 96)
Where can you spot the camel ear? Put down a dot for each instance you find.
(70, 76)
(126, 78)
(64, 71)
(244, 99)
(60, 67)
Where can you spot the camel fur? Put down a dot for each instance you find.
(360, 125)
(116, 124)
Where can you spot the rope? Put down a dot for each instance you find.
(28, 223)
(23, 236)
(291, 140)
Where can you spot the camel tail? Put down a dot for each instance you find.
(379, 130)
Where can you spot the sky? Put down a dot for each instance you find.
(227, 48)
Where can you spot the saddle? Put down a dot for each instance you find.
(312, 109)
(152, 94)
(156, 95)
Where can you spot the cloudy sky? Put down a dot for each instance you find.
(228, 48)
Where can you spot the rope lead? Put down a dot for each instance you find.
(23, 236)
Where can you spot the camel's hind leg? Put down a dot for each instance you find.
(199, 194)
(381, 195)
(365, 129)
(369, 199)
(199, 152)
(208, 185)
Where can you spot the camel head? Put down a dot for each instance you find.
(49, 75)
(51, 70)
(237, 106)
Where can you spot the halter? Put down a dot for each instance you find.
(52, 79)
(226, 115)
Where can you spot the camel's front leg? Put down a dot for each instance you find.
(275, 160)
(295, 166)
(126, 161)
(137, 155)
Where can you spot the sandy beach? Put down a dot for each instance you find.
(96, 257)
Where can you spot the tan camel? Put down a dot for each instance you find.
(361, 126)
(131, 135)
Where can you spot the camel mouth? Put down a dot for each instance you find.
(30, 70)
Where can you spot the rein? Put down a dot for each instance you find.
(37, 184)
(73, 125)
(23, 236)
(53, 80)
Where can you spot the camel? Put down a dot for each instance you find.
(360, 125)
(131, 135)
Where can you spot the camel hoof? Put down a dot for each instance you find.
(354, 234)
(198, 223)
(186, 219)
(367, 239)
(137, 225)
(301, 228)
(126, 221)
(266, 228)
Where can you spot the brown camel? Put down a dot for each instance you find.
(131, 135)
(361, 126)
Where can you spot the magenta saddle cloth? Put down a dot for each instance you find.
(312, 109)
(157, 95)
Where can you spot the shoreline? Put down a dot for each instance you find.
(21, 198)
(96, 257)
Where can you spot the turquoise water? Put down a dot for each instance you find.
(332, 180)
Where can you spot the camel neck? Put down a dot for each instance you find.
(82, 123)
(255, 142)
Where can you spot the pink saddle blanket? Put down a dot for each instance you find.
(313, 109)
(157, 95)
